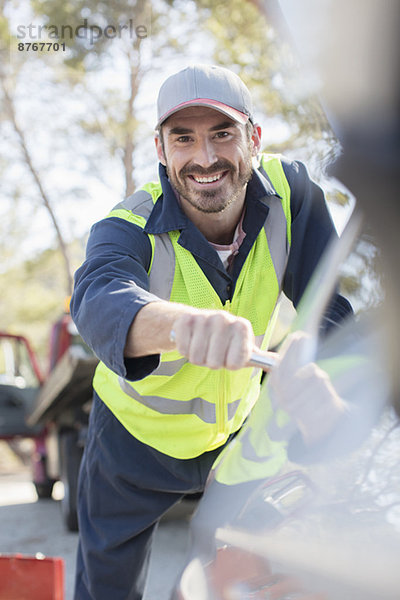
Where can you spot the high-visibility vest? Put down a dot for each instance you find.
(181, 409)
(260, 450)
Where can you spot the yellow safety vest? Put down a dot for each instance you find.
(181, 409)
(260, 450)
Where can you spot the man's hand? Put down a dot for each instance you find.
(209, 338)
(214, 339)
(305, 391)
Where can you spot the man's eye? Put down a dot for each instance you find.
(183, 139)
(222, 134)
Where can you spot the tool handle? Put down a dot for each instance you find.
(260, 360)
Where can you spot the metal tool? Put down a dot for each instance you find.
(260, 360)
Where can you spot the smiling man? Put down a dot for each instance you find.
(221, 166)
(177, 290)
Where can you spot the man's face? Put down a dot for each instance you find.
(208, 157)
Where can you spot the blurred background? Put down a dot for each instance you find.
(78, 87)
(76, 128)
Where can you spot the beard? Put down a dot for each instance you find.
(212, 200)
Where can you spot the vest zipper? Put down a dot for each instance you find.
(222, 405)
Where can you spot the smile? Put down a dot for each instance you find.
(210, 179)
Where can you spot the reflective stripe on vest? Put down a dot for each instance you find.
(181, 409)
(196, 406)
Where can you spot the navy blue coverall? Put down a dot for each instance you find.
(125, 486)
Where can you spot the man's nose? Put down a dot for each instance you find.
(205, 153)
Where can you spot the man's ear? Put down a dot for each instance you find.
(160, 151)
(256, 139)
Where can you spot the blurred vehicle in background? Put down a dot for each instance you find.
(20, 379)
(53, 409)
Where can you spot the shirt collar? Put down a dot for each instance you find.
(167, 215)
(260, 186)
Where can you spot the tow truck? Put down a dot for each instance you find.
(52, 409)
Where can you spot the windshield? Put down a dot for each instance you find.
(15, 364)
(279, 518)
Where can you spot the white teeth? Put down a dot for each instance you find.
(207, 179)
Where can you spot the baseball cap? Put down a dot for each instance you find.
(205, 85)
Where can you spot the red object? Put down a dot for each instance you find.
(60, 340)
(31, 578)
(32, 357)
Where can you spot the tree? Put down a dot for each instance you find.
(9, 112)
(43, 195)
(88, 142)
(109, 124)
(50, 151)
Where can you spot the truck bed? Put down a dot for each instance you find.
(68, 385)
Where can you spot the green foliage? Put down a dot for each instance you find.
(245, 42)
(32, 297)
(90, 42)
(102, 81)
(33, 294)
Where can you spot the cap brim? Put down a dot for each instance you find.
(233, 113)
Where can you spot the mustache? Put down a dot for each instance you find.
(220, 165)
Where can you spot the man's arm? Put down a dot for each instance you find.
(128, 327)
(111, 287)
(210, 338)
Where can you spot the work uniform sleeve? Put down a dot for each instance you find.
(312, 229)
(110, 288)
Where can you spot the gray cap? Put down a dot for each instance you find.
(205, 85)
